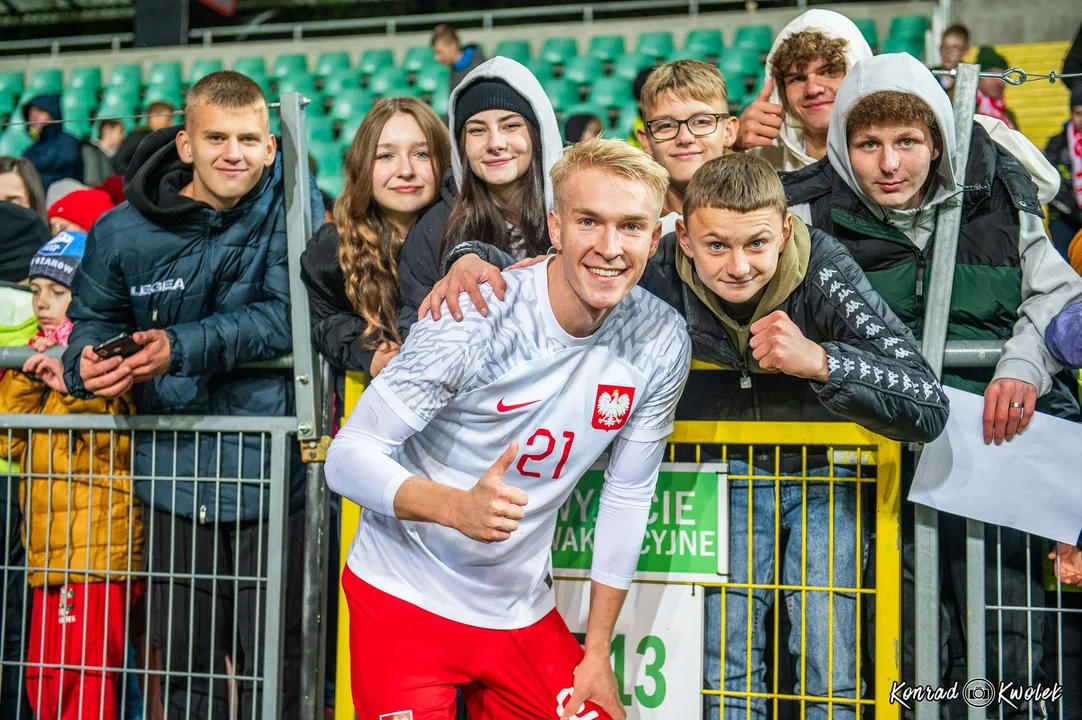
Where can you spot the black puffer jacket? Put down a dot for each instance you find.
(419, 262)
(878, 378)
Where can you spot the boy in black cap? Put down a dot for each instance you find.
(990, 100)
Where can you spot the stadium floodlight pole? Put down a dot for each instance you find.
(313, 433)
(940, 286)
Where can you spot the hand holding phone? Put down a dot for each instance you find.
(120, 346)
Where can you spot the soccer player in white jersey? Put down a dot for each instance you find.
(467, 444)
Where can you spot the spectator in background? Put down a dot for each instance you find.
(952, 48)
(20, 184)
(394, 170)
(990, 91)
(449, 51)
(160, 115)
(21, 233)
(636, 90)
(79, 210)
(686, 107)
(505, 140)
(194, 267)
(1072, 63)
(99, 151)
(1064, 151)
(83, 537)
(890, 168)
(787, 124)
(55, 154)
(583, 126)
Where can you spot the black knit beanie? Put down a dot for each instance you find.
(490, 94)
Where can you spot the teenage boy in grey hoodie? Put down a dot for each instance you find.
(890, 166)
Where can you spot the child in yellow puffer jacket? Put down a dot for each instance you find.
(83, 532)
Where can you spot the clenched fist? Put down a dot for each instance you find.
(778, 344)
(489, 512)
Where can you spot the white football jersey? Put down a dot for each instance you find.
(469, 388)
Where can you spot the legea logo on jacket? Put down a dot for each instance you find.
(161, 286)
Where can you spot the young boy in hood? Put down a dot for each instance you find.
(801, 336)
(1064, 151)
(890, 167)
(82, 535)
(194, 267)
(787, 124)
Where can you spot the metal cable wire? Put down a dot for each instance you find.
(1014, 76)
(176, 113)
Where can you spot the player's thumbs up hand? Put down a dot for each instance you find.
(490, 511)
(761, 121)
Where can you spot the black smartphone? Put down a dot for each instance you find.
(121, 345)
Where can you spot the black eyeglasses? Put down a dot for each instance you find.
(698, 125)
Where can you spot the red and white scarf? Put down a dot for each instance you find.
(1074, 147)
(993, 107)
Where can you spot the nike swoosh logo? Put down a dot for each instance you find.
(500, 407)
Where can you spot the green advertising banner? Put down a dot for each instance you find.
(687, 536)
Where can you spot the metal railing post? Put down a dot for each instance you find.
(939, 286)
(312, 431)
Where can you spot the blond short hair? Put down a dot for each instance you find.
(225, 89)
(613, 156)
(686, 80)
(737, 182)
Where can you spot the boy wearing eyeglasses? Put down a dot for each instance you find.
(685, 106)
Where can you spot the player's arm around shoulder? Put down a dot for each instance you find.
(877, 377)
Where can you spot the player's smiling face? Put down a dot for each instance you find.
(605, 230)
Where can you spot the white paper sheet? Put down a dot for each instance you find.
(1033, 483)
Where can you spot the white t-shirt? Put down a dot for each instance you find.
(468, 389)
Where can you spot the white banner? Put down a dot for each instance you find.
(657, 650)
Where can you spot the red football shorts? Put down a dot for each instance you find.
(407, 663)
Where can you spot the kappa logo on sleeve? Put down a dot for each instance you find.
(612, 406)
(400, 715)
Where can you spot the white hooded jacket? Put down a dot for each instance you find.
(787, 153)
(1048, 283)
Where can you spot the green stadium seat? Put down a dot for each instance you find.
(78, 102)
(692, 53)
(517, 50)
(304, 83)
(607, 48)
(705, 40)
(629, 66)
(440, 103)
(331, 184)
(12, 81)
(559, 50)
(417, 58)
(350, 103)
(341, 80)
(908, 26)
(375, 59)
(201, 67)
(561, 93)
(739, 62)
(913, 46)
(291, 64)
(611, 91)
(332, 62)
(276, 124)
(164, 93)
(127, 96)
(126, 75)
(433, 77)
(328, 157)
(541, 69)
(165, 73)
(15, 141)
(253, 67)
(625, 121)
(120, 108)
(583, 70)
(88, 77)
(869, 30)
(46, 82)
(78, 129)
(755, 37)
(8, 100)
(658, 45)
(320, 129)
(389, 81)
(348, 130)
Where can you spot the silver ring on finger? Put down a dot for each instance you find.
(1021, 409)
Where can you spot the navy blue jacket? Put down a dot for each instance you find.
(56, 155)
(218, 282)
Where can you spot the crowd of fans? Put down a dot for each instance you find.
(175, 235)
